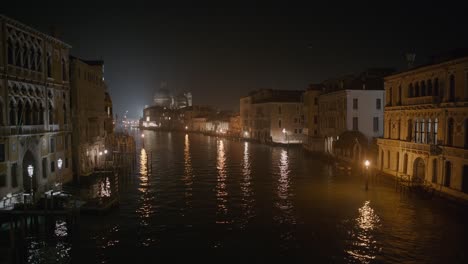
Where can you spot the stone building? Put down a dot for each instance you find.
(344, 115)
(426, 123)
(313, 140)
(273, 116)
(91, 115)
(234, 126)
(35, 127)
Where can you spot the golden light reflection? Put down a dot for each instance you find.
(246, 187)
(188, 171)
(365, 248)
(221, 192)
(145, 210)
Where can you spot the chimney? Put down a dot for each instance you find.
(410, 57)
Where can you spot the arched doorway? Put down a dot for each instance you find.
(419, 170)
(28, 159)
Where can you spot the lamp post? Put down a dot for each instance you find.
(367, 164)
(59, 165)
(30, 174)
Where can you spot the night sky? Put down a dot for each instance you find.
(222, 53)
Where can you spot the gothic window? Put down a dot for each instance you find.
(429, 132)
(436, 87)
(11, 52)
(32, 64)
(423, 132)
(39, 61)
(64, 114)
(429, 87)
(51, 114)
(12, 114)
(416, 131)
(18, 54)
(27, 114)
(436, 129)
(49, 65)
(423, 88)
(411, 90)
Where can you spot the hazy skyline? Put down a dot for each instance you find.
(220, 54)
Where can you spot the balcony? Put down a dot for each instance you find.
(22, 130)
(421, 100)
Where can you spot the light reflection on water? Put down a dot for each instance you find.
(365, 247)
(57, 250)
(221, 190)
(220, 197)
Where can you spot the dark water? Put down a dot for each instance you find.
(218, 200)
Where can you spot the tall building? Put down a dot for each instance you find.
(345, 114)
(426, 123)
(91, 115)
(273, 116)
(34, 110)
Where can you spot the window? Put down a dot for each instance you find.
(399, 95)
(411, 90)
(52, 166)
(279, 123)
(315, 119)
(355, 123)
(44, 168)
(279, 110)
(49, 66)
(378, 103)
(405, 164)
(416, 131)
(390, 96)
(10, 52)
(436, 87)
(52, 145)
(423, 88)
(2, 152)
(416, 90)
(64, 114)
(300, 130)
(355, 103)
(295, 131)
(376, 124)
(14, 175)
(3, 180)
(429, 87)
(436, 129)
(423, 132)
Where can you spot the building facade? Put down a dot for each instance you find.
(274, 116)
(426, 123)
(91, 115)
(35, 123)
(313, 140)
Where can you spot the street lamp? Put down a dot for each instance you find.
(367, 164)
(59, 165)
(30, 174)
(186, 127)
(142, 135)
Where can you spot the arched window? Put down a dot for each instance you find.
(411, 90)
(416, 130)
(41, 114)
(24, 56)
(429, 87)
(12, 114)
(409, 132)
(429, 131)
(423, 88)
(18, 54)
(436, 129)
(465, 125)
(416, 90)
(51, 114)
(49, 65)
(11, 52)
(32, 54)
(436, 87)
(423, 131)
(39, 61)
(452, 88)
(20, 113)
(27, 114)
(448, 173)
(64, 114)
(450, 131)
(434, 171)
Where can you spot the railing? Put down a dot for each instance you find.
(422, 100)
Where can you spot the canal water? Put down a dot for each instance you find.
(196, 197)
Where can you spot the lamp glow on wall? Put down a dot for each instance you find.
(30, 174)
